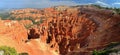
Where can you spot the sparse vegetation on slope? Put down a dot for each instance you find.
(8, 50)
(108, 49)
(116, 10)
(5, 50)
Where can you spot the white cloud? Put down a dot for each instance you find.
(118, 3)
(48, 3)
(34, 3)
(101, 3)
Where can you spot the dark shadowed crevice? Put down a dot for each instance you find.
(33, 34)
(49, 39)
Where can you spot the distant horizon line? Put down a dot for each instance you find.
(54, 6)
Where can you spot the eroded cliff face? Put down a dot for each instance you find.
(80, 30)
(69, 32)
(64, 31)
(14, 34)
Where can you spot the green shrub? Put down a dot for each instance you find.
(104, 52)
(8, 50)
(107, 50)
(23, 53)
(5, 50)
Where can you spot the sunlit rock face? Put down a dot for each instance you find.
(14, 34)
(13, 29)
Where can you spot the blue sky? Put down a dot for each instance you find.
(48, 3)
